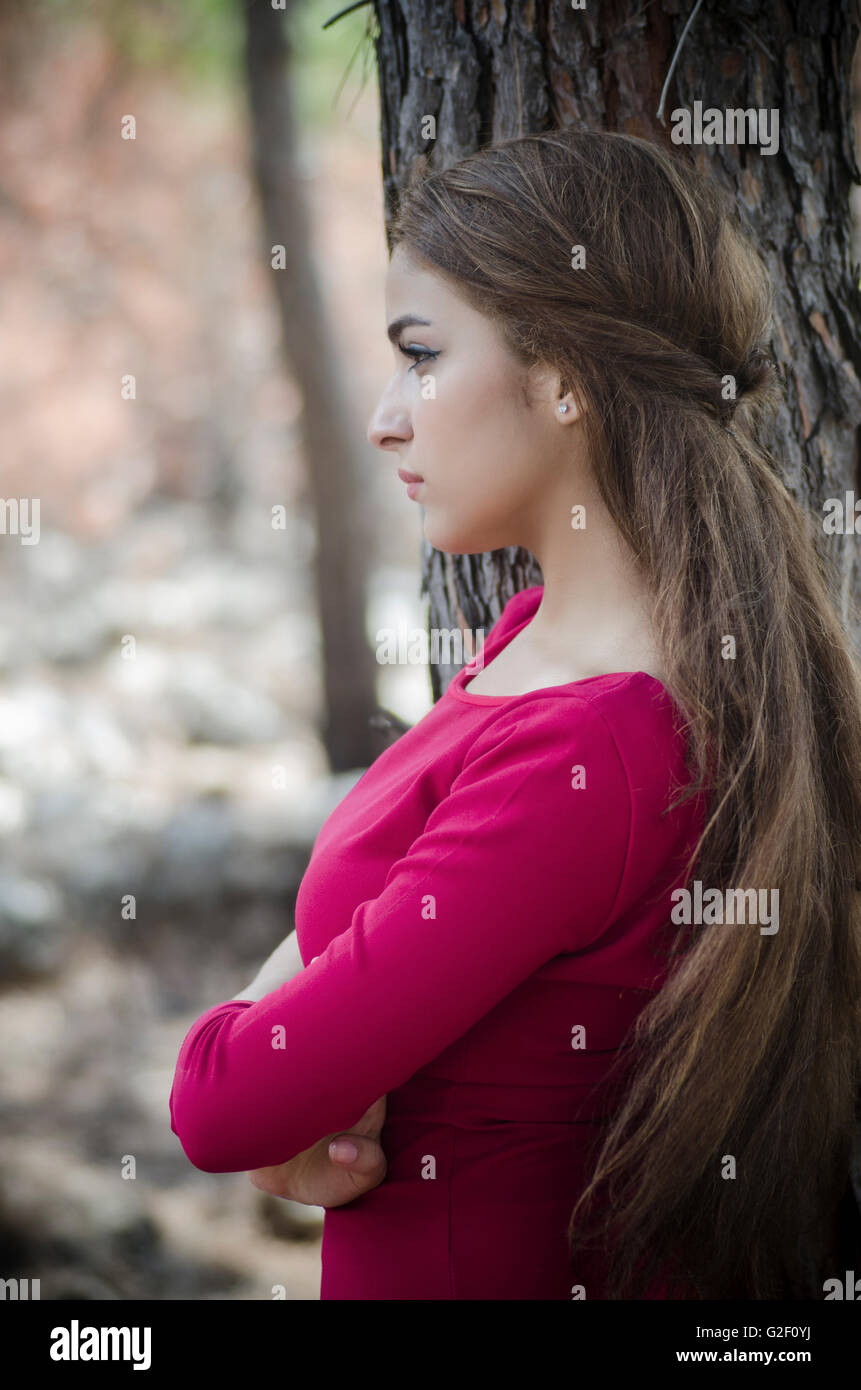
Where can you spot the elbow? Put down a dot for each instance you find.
(199, 1146)
(205, 1160)
(200, 1099)
(204, 1138)
(214, 1145)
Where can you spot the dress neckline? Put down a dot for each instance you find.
(457, 685)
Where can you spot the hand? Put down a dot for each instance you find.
(315, 1178)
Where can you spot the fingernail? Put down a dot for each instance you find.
(343, 1150)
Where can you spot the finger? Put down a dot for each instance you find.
(369, 1158)
(263, 1179)
(371, 1123)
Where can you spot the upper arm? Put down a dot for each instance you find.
(521, 861)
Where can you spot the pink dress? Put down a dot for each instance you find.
(481, 920)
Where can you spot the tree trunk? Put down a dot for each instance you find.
(488, 71)
(333, 475)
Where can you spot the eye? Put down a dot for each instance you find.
(419, 353)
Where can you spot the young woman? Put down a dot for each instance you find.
(579, 1089)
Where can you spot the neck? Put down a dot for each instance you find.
(594, 594)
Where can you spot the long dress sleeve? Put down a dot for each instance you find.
(522, 860)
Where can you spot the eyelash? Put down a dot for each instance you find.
(422, 355)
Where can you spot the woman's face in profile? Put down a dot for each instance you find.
(454, 413)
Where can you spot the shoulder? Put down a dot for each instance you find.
(544, 780)
(544, 737)
(626, 728)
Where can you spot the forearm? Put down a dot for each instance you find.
(232, 1063)
(208, 1077)
(284, 963)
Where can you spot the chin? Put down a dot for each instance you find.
(453, 539)
(458, 538)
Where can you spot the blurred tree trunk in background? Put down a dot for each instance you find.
(486, 72)
(342, 556)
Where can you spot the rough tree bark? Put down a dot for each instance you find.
(333, 474)
(486, 71)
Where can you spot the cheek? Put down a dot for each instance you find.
(482, 479)
(467, 398)
(474, 419)
(501, 455)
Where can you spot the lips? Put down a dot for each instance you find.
(407, 477)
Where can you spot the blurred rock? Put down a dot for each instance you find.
(287, 1220)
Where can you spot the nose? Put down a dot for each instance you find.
(389, 426)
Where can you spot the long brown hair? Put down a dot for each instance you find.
(752, 1048)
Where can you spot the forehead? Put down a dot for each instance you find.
(415, 288)
(407, 277)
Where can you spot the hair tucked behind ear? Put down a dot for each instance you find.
(752, 1048)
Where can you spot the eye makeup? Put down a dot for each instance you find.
(420, 354)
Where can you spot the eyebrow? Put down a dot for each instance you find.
(394, 328)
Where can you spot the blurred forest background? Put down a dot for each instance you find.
(196, 775)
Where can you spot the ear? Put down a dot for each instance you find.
(565, 404)
(568, 409)
(549, 391)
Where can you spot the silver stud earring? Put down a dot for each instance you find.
(562, 409)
